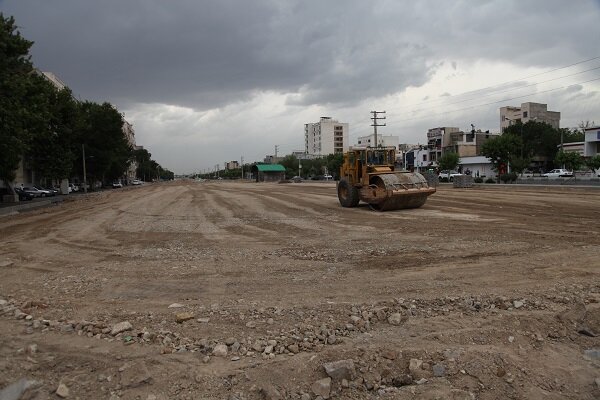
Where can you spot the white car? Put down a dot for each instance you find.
(136, 182)
(450, 175)
(558, 173)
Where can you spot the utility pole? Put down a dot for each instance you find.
(276, 148)
(242, 163)
(84, 174)
(375, 124)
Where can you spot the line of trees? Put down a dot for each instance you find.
(521, 144)
(46, 128)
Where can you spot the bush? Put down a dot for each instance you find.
(490, 180)
(506, 178)
(478, 180)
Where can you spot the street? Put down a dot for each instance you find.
(236, 290)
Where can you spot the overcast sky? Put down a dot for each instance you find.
(205, 82)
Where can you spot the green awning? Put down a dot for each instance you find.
(270, 168)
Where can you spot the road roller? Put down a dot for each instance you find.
(369, 174)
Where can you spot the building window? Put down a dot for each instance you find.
(424, 157)
(524, 114)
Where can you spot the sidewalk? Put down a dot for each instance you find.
(15, 208)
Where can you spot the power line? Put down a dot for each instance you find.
(499, 101)
(508, 90)
(507, 82)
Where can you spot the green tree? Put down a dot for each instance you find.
(107, 152)
(290, 162)
(571, 160)
(593, 163)
(536, 139)
(51, 151)
(18, 98)
(501, 149)
(449, 161)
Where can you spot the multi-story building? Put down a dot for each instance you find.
(591, 145)
(129, 134)
(328, 136)
(382, 140)
(537, 112)
(229, 165)
(437, 139)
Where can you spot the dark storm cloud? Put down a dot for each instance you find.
(205, 54)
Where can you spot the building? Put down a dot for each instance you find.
(436, 138)
(268, 172)
(129, 134)
(573, 147)
(229, 165)
(591, 145)
(528, 112)
(328, 136)
(478, 166)
(55, 80)
(382, 140)
(417, 159)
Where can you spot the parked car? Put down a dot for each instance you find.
(445, 174)
(45, 192)
(33, 191)
(53, 190)
(117, 184)
(296, 179)
(23, 195)
(136, 182)
(327, 177)
(558, 173)
(527, 173)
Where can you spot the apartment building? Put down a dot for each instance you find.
(537, 112)
(229, 165)
(591, 145)
(328, 136)
(437, 138)
(382, 140)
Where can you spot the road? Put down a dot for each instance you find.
(488, 293)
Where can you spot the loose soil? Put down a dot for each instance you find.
(492, 292)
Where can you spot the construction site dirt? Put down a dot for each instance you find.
(231, 290)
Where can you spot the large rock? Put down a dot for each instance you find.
(16, 391)
(220, 350)
(397, 319)
(183, 316)
(134, 375)
(62, 391)
(269, 392)
(322, 388)
(121, 327)
(342, 369)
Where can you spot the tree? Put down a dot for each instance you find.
(18, 97)
(290, 162)
(537, 139)
(501, 149)
(593, 163)
(449, 161)
(101, 131)
(571, 160)
(51, 150)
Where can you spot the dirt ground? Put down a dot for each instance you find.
(225, 290)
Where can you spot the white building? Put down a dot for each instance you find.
(591, 145)
(382, 140)
(328, 136)
(479, 166)
(528, 112)
(129, 134)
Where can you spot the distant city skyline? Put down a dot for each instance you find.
(203, 82)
